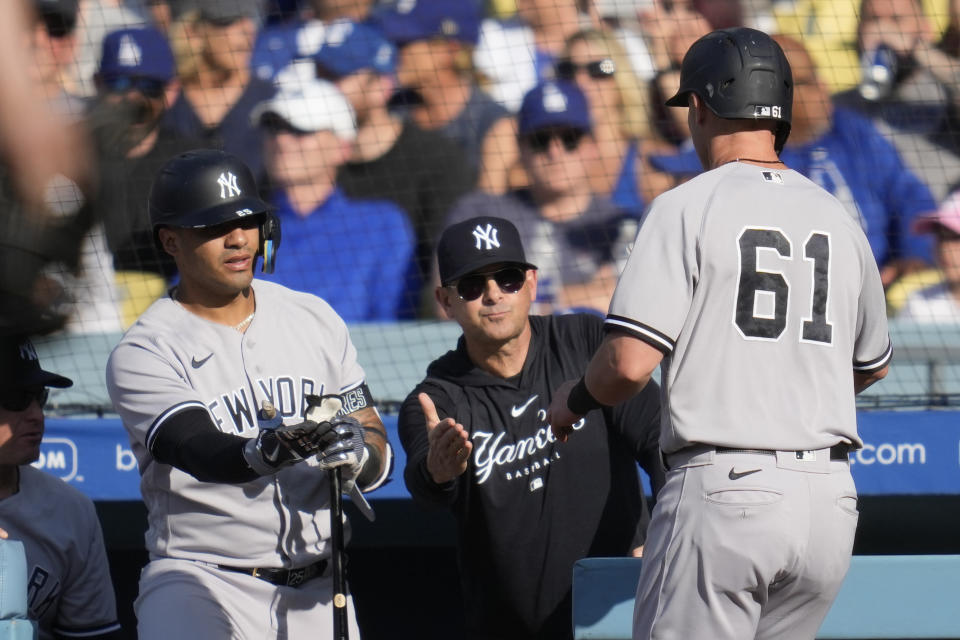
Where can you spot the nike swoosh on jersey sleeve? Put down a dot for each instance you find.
(651, 336)
(876, 364)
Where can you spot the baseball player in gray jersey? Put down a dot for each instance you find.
(69, 593)
(219, 386)
(761, 296)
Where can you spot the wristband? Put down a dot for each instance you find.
(580, 401)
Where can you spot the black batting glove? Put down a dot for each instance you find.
(285, 445)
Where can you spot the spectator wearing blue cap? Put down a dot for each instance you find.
(393, 159)
(302, 33)
(136, 84)
(356, 254)
(213, 43)
(95, 19)
(435, 68)
(575, 236)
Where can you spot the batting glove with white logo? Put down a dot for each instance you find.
(347, 451)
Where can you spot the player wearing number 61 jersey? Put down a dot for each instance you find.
(761, 296)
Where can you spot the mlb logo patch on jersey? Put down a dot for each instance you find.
(772, 176)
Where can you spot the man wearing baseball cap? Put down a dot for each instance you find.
(575, 236)
(477, 442)
(301, 31)
(136, 85)
(391, 158)
(70, 593)
(435, 69)
(355, 254)
(940, 302)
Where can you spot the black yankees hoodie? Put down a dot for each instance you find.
(529, 506)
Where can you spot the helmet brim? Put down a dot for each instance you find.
(679, 99)
(219, 214)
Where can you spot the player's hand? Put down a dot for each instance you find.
(275, 448)
(347, 451)
(450, 444)
(559, 416)
(3, 534)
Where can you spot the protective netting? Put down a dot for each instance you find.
(369, 126)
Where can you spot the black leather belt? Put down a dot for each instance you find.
(283, 577)
(837, 451)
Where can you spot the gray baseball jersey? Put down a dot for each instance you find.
(764, 296)
(171, 360)
(69, 591)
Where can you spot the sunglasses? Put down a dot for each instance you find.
(149, 87)
(539, 141)
(510, 280)
(20, 399)
(599, 69)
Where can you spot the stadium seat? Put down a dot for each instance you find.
(14, 624)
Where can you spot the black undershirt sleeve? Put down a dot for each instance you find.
(190, 441)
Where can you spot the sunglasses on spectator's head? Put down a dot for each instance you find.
(149, 87)
(471, 287)
(274, 125)
(539, 141)
(20, 399)
(567, 69)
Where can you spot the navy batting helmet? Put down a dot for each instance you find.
(739, 73)
(207, 187)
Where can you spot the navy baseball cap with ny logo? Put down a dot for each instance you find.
(20, 366)
(476, 243)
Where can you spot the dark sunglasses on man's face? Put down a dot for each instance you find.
(20, 399)
(149, 87)
(539, 141)
(510, 280)
(598, 69)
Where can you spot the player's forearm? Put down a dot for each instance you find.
(190, 442)
(377, 467)
(863, 380)
(620, 369)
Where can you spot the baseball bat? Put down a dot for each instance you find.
(340, 627)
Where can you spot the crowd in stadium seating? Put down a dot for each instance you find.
(431, 97)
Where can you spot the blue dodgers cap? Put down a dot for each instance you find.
(349, 47)
(685, 163)
(554, 104)
(142, 52)
(411, 20)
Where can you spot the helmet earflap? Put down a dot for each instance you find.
(269, 241)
